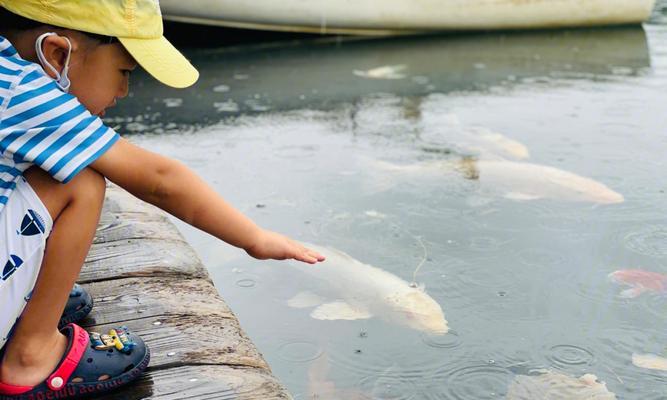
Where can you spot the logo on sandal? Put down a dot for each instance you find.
(32, 224)
(12, 265)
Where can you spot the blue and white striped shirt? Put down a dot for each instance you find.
(41, 125)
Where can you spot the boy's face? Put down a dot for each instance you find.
(100, 74)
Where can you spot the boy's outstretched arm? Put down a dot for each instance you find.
(173, 187)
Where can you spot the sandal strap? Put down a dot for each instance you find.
(79, 340)
(12, 390)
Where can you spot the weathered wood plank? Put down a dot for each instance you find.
(123, 226)
(143, 274)
(141, 257)
(203, 383)
(181, 340)
(120, 201)
(134, 298)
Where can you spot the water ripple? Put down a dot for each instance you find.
(449, 341)
(649, 240)
(564, 355)
(246, 283)
(479, 382)
(485, 244)
(374, 359)
(390, 386)
(503, 276)
(299, 351)
(656, 305)
(541, 257)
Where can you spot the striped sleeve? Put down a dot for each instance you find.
(46, 127)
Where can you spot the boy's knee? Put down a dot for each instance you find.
(88, 185)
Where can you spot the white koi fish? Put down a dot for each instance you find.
(361, 291)
(384, 72)
(513, 180)
(491, 140)
(650, 361)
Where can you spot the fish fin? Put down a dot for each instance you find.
(632, 292)
(339, 310)
(521, 196)
(305, 300)
(649, 361)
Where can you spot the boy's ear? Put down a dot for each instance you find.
(56, 48)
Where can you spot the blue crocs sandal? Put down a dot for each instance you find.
(92, 364)
(78, 306)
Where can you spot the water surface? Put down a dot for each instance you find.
(285, 132)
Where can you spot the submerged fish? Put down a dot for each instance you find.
(500, 142)
(361, 291)
(650, 361)
(321, 388)
(441, 127)
(513, 180)
(552, 385)
(384, 72)
(640, 281)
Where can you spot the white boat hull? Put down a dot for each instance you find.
(403, 16)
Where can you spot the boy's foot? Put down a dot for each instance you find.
(27, 364)
(79, 305)
(91, 364)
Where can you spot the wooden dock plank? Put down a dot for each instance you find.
(143, 274)
(192, 340)
(204, 383)
(134, 298)
(141, 257)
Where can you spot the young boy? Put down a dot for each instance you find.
(62, 64)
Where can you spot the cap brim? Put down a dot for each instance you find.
(162, 60)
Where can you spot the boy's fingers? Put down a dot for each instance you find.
(317, 256)
(309, 256)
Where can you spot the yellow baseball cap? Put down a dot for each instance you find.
(136, 23)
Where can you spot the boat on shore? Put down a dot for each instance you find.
(373, 17)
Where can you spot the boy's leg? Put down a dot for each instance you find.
(36, 346)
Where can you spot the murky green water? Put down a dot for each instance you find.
(291, 135)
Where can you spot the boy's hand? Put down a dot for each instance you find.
(278, 247)
(174, 188)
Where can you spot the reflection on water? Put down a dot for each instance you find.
(322, 73)
(290, 135)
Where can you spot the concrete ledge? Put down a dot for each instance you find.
(143, 274)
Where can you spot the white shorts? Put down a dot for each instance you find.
(25, 223)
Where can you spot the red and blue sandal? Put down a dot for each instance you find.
(92, 364)
(79, 305)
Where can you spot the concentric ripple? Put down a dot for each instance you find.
(649, 240)
(299, 351)
(541, 257)
(479, 382)
(564, 355)
(492, 276)
(449, 341)
(656, 305)
(373, 359)
(484, 244)
(246, 283)
(390, 386)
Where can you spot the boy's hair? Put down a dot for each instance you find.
(10, 22)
